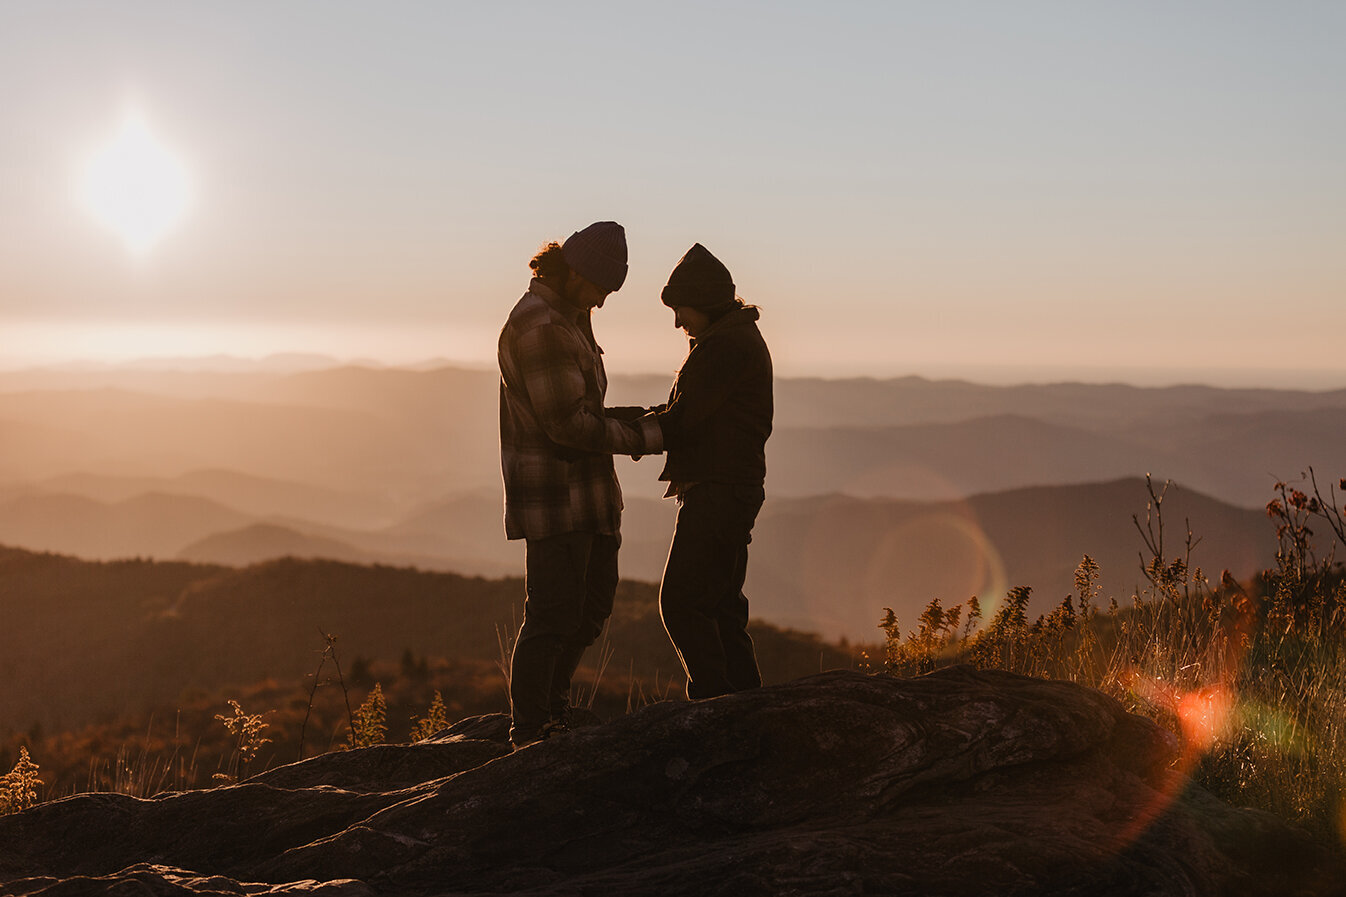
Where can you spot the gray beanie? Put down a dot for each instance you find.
(598, 254)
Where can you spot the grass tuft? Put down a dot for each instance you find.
(1251, 678)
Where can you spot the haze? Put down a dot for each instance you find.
(1141, 192)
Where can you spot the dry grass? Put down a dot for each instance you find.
(1251, 677)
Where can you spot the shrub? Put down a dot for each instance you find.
(247, 730)
(370, 723)
(18, 787)
(436, 718)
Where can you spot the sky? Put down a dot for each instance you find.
(1007, 192)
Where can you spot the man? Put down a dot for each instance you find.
(716, 467)
(556, 448)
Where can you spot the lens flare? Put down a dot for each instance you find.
(857, 556)
(1206, 716)
(942, 554)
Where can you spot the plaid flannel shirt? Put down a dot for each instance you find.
(556, 442)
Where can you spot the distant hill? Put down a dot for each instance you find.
(1112, 407)
(951, 460)
(84, 642)
(261, 542)
(830, 562)
(407, 437)
(468, 525)
(1236, 457)
(827, 564)
(151, 525)
(131, 434)
(1240, 455)
(401, 467)
(253, 495)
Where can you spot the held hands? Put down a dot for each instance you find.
(632, 413)
(669, 418)
(670, 421)
(626, 412)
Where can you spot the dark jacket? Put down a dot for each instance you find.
(723, 397)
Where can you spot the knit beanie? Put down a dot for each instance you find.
(700, 281)
(598, 254)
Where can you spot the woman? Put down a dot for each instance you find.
(717, 421)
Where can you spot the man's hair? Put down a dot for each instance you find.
(550, 263)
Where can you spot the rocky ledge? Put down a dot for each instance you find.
(961, 782)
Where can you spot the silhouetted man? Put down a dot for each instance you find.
(556, 448)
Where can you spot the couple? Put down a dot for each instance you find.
(561, 492)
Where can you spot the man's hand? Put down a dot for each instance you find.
(626, 412)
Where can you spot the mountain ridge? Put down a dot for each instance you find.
(86, 641)
(820, 563)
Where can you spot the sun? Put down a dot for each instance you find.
(135, 186)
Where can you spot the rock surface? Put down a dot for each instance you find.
(962, 782)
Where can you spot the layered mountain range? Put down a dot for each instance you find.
(882, 493)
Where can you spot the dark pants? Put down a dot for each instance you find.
(570, 582)
(701, 597)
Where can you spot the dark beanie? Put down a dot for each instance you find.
(699, 280)
(598, 254)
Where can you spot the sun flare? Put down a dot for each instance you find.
(135, 186)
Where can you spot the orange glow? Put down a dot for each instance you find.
(1206, 716)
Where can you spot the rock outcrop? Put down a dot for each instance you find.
(957, 783)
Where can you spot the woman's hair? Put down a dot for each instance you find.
(550, 262)
(719, 311)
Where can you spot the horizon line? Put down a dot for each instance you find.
(991, 375)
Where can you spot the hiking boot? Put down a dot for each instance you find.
(519, 738)
(552, 728)
(555, 726)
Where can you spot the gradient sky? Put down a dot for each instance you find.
(1146, 191)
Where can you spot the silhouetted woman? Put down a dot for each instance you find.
(716, 467)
